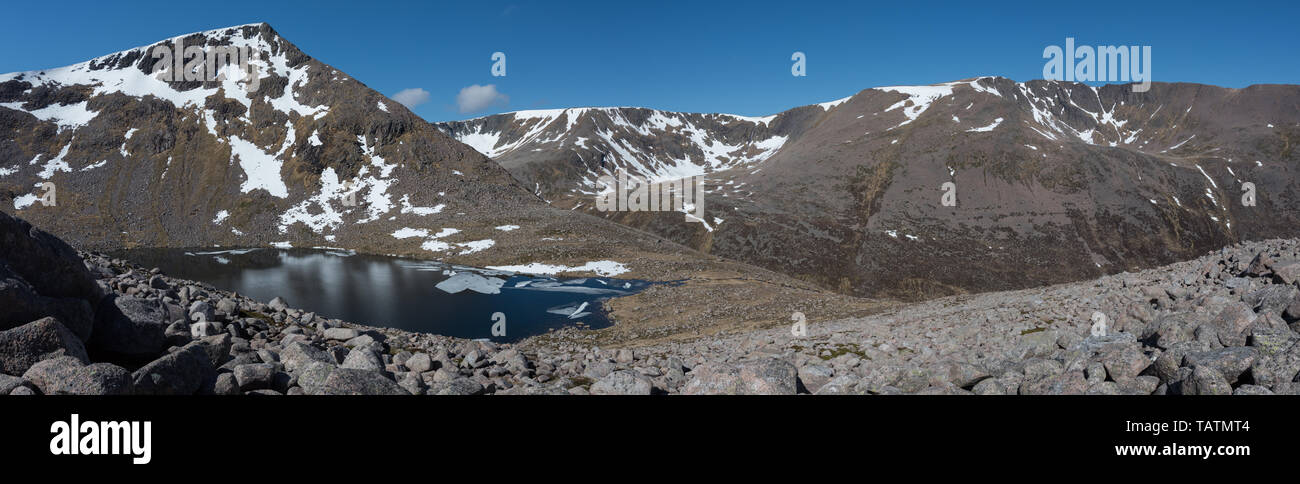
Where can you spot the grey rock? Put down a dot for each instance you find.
(45, 338)
(22, 305)
(714, 379)
(1251, 390)
(445, 374)
(361, 340)
(1206, 380)
(1273, 298)
(22, 390)
(459, 386)
(813, 377)
(1069, 383)
(413, 383)
(340, 334)
(218, 348)
(1228, 362)
(66, 375)
(1280, 367)
(48, 264)
(363, 358)
(277, 304)
(1126, 363)
(226, 384)
(958, 373)
(1040, 368)
(312, 376)
(419, 363)
(8, 383)
(993, 386)
(352, 381)
(622, 382)
(177, 333)
(625, 356)
(840, 385)
(1231, 324)
(1141, 385)
(130, 327)
(1289, 388)
(296, 355)
(769, 376)
(201, 311)
(1173, 329)
(1037, 344)
(186, 371)
(1271, 340)
(255, 376)
(599, 369)
(1095, 373)
(1104, 388)
(228, 307)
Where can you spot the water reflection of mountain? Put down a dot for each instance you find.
(415, 295)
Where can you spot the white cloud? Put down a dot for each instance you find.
(411, 97)
(477, 98)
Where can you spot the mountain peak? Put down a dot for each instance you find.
(276, 141)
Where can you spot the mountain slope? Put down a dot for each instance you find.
(1054, 181)
(138, 162)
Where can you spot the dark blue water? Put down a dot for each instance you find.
(409, 294)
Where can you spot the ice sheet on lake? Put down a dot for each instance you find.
(218, 252)
(474, 282)
(571, 311)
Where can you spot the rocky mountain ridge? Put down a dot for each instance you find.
(1052, 181)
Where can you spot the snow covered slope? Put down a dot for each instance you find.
(303, 155)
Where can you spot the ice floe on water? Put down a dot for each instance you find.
(605, 268)
(570, 311)
(471, 281)
(217, 252)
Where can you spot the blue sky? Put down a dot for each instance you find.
(699, 56)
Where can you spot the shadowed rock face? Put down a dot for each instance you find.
(41, 276)
(1054, 181)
